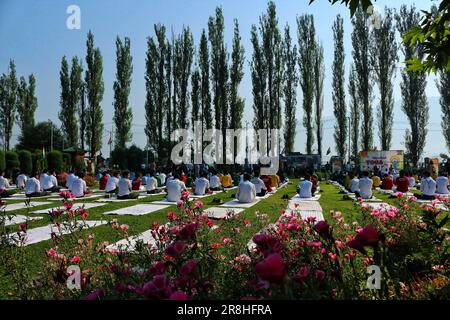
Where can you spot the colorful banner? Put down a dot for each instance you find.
(382, 159)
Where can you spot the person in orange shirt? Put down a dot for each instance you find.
(137, 181)
(268, 182)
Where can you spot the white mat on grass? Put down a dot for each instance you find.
(130, 243)
(145, 194)
(236, 204)
(21, 205)
(9, 221)
(87, 205)
(22, 196)
(304, 205)
(137, 210)
(380, 206)
(311, 214)
(221, 213)
(117, 200)
(44, 233)
(91, 196)
(315, 198)
(164, 201)
(373, 199)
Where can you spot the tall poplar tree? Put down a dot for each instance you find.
(355, 113)
(443, 85)
(290, 91)
(361, 60)
(196, 96)
(307, 49)
(27, 105)
(94, 93)
(319, 75)
(340, 108)
(414, 99)
(123, 114)
(9, 88)
(236, 75)
(76, 97)
(384, 57)
(206, 110)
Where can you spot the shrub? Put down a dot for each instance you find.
(119, 158)
(26, 163)
(135, 157)
(67, 160)
(12, 163)
(54, 160)
(2, 160)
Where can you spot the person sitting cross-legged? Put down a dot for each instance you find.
(112, 184)
(136, 183)
(48, 183)
(125, 187)
(261, 189)
(104, 180)
(21, 181)
(174, 188)
(427, 186)
(227, 181)
(354, 184)
(442, 184)
(365, 186)
(79, 187)
(304, 187)
(246, 191)
(33, 187)
(201, 185)
(4, 184)
(152, 183)
(402, 182)
(214, 182)
(387, 182)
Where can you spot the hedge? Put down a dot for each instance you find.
(54, 161)
(2, 160)
(26, 161)
(119, 158)
(12, 163)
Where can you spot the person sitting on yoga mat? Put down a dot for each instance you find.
(246, 191)
(201, 185)
(427, 186)
(152, 183)
(137, 181)
(214, 181)
(354, 184)
(70, 178)
(412, 180)
(260, 186)
(387, 182)
(21, 181)
(365, 186)
(174, 188)
(33, 187)
(402, 182)
(442, 184)
(304, 187)
(125, 187)
(227, 181)
(4, 184)
(267, 182)
(79, 187)
(113, 183)
(47, 182)
(104, 180)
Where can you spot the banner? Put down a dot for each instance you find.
(382, 159)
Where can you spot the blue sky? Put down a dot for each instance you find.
(34, 34)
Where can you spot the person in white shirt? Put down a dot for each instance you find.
(412, 181)
(174, 189)
(113, 183)
(79, 187)
(21, 181)
(4, 185)
(428, 187)
(354, 184)
(442, 184)
(69, 179)
(365, 186)
(214, 182)
(201, 185)
(304, 187)
(260, 186)
(246, 191)
(162, 177)
(47, 181)
(152, 184)
(33, 187)
(125, 187)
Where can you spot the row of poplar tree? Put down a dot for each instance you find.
(187, 83)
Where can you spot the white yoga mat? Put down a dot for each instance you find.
(385, 191)
(130, 243)
(195, 196)
(380, 206)
(137, 210)
(18, 219)
(91, 196)
(221, 213)
(44, 233)
(22, 196)
(304, 205)
(315, 198)
(117, 200)
(312, 214)
(145, 194)
(373, 199)
(236, 204)
(21, 205)
(164, 201)
(87, 205)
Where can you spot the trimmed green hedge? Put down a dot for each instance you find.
(26, 161)
(12, 163)
(55, 160)
(2, 160)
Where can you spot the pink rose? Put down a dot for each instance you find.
(198, 204)
(75, 259)
(124, 227)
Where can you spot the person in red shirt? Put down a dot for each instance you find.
(183, 178)
(136, 183)
(402, 182)
(267, 182)
(104, 180)
(387, 182)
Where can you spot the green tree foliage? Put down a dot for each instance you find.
(319, 75)
(195, 96)
(55, 160)
(94, 92)
(361, 60)
(384, 57)
(443, 85)
(123, 115)
(2, 160)
(355, 113)
(26, 163)
(340, 108)
(290, 91)
(414, 99)
(12, 163)
(9, 88)
(40, 136)
(27, 103)
(307, 48)
(236, 74)
(206, 111)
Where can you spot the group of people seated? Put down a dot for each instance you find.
(307, 187)
(36, 184)
(362, 185)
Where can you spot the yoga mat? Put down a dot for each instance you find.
(315, 198)
(87, 205)
(117, 200)
(130, 243)
(137, 210)
(164, 201)
(20, 205)
(17, 219)
(91, 196)
(24, 197)
(221, 213)
(236, 204)
(44, 233)
(380, 206)
(304, 205)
